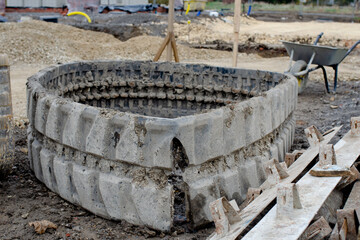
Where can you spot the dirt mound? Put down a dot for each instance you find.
(38, 42)
(47, 43)
(209, 30)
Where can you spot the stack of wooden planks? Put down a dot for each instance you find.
(301, 195)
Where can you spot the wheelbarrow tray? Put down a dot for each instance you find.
(325, 56)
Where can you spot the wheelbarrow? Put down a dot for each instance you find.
(304, 55)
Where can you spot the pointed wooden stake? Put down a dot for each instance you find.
(287, 200)
(317, 231)
(313, 135)
(355, 126)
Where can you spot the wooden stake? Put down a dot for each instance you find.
(170, 29)
(317, 231)
(236, 30)
(345, 181)
(313, 194)
(174, 48)
(259, 204)
(169, 40)
(347, 217)
(162, 47)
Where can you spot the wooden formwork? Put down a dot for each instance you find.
(300, 195)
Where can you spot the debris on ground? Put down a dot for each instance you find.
(41, 226)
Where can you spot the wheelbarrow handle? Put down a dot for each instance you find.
(318, 38)
(351, 49)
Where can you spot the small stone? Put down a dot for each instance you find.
(24, 150)
(174, 234)
(151, 233)
(77, 229)
(334, 106)
(25, 215)
(162, 235)
(81, 214)
(332, 99)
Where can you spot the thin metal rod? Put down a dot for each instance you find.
(307, 67)
(291, 59)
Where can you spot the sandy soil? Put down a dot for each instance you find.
(35, 45)
(251, 30)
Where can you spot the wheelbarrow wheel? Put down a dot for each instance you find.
(299, 66)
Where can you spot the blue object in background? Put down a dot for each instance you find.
(3, 19)
(249, 10)
(198, 14)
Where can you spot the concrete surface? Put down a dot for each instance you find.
(7, 144)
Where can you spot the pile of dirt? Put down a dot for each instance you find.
(38, 42)
(204, 30)
(208, 30)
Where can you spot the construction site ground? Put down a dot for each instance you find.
(34, 45)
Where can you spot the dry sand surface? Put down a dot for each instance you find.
(38, 42)
(34, 45)
(251, 30)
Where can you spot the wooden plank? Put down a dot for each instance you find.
(347, 217)
(331, 171)
(258, 205)
(170, 30)
(236, 31)
(332, 203)
(343, 231)
(354, 176)
(335, 233)
(353, 201)
(313, 192)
